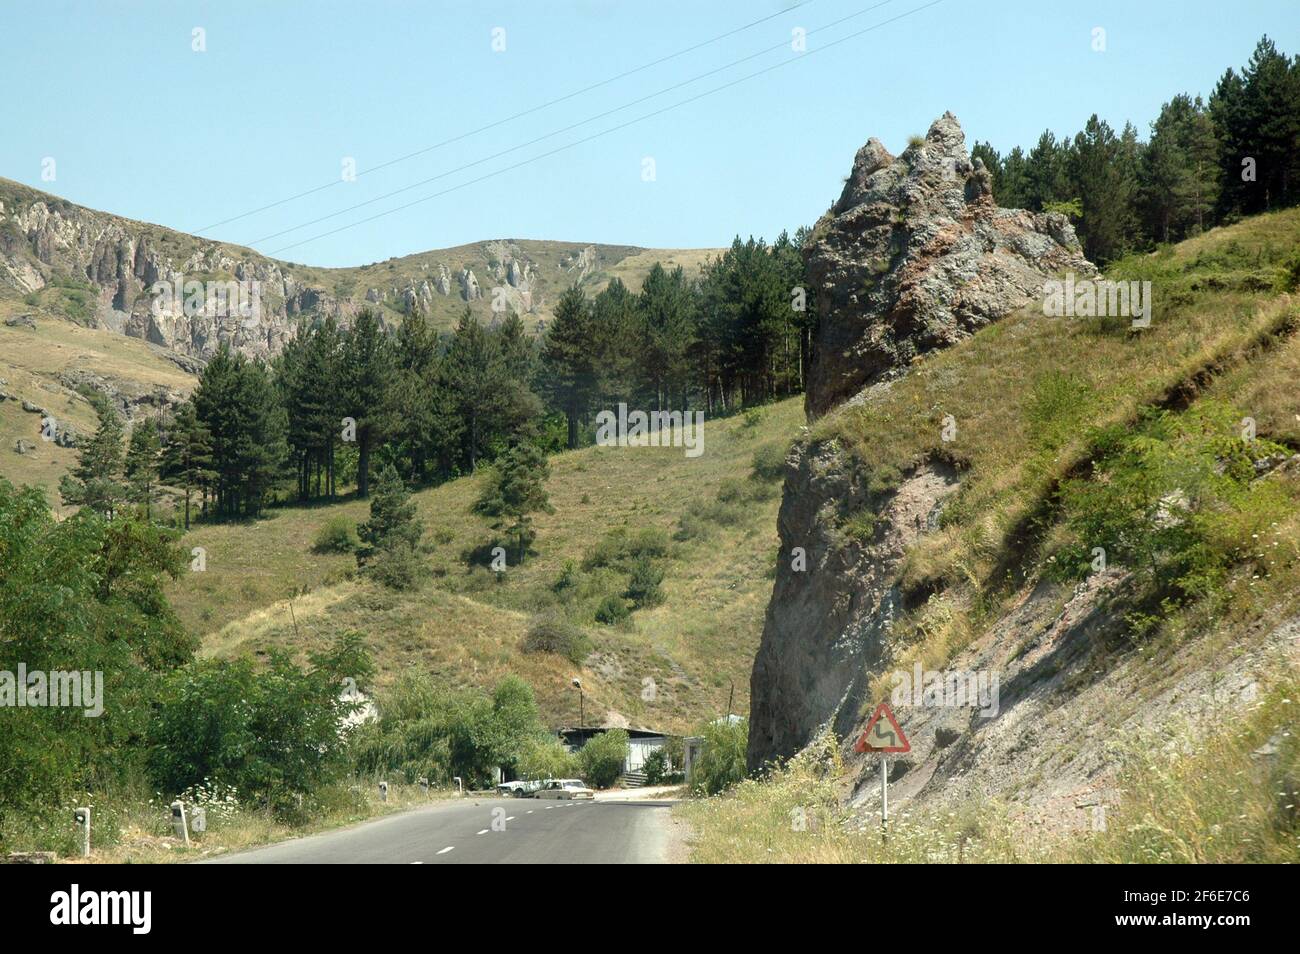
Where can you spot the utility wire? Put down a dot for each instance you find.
(550, 135)
(507, 119)
(605, 132)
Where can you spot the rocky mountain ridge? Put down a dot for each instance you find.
(102, 270)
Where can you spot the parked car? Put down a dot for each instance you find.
(564, 788)
(518, 789)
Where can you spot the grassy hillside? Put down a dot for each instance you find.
(1131, 693)
(36, 365)
(467, 627)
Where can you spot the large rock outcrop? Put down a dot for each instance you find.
(914, 256)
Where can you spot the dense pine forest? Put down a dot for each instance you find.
(1203, 164)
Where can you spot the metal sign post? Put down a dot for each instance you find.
(884, 798)
(882, 736)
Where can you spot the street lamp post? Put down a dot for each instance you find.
(577, 684)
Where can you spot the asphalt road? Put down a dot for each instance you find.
(488, 831)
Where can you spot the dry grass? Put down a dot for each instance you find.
(467, 627)
(145, 836)
(1195, 799)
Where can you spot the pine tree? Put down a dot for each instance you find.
(187, 457)
(142, 464)
(96, 481)
(366, 373)
(393, 528)
(473, 370)
(568, 360)
(666, 333)
(516, 491)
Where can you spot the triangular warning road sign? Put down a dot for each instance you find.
(883, 735)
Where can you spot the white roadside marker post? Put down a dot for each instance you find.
(179, 824)
(82, 817)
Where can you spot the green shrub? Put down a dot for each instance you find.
(567, 580)
(604, 756)
(721, 763)
(397, 567)
(656, 767)
(544, 756)
(769, 462)
(553, 634)
(337, 535)
(271, 733)
(613, 609)
(643, 589)
(1172, 500)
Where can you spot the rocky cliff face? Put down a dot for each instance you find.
(46, 242)
(913, 256)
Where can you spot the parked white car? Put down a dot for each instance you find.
(564, 788)
(519, 789)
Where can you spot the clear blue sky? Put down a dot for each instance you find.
(141, 125)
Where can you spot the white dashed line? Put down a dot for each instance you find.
(529, 812)
(511, 818)
(483, 832)
(447, 849)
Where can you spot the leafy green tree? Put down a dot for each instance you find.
(307, 375)
(604, 757)
(274, 733)
(82, 594)
(666, 312)
(544, 756)
(239, 407)
(1103, 171)
(721, 763)
(474, 371)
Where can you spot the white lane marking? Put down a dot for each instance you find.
(483, 832)
(447, 849)
(511, 818)
(417, 862)
(549, 807)
(529, 812)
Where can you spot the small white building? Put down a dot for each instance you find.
(641, 742)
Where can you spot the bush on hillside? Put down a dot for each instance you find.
(554, 634)
(613, 609)
(643, 589)
(336, 535)
(769, 462)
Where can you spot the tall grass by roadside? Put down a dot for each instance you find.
(1202, 796)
